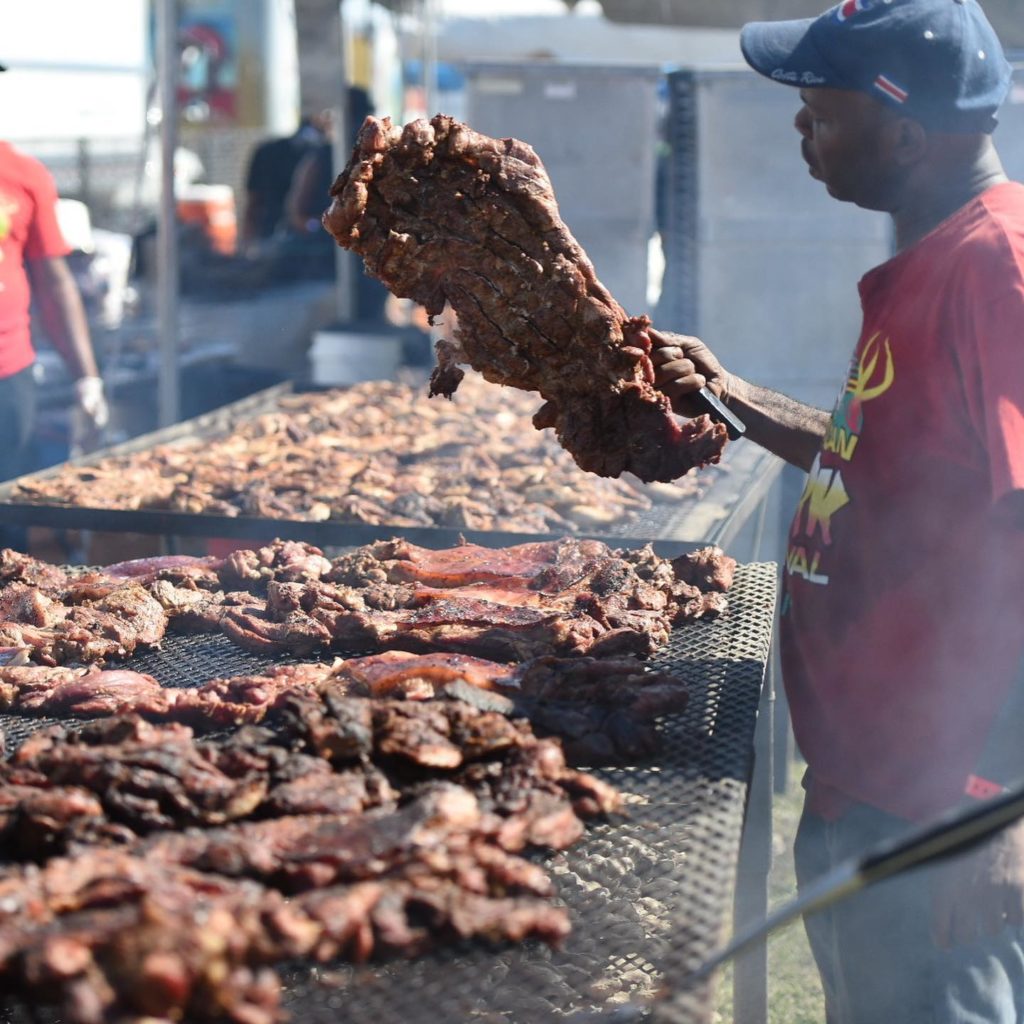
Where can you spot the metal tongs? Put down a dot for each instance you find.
(947, 836)
(718, 411)
(952, 834)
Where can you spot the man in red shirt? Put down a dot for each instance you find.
(33, 267)
(902, 618)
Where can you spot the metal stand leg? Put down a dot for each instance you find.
(783, 737)
(750, 974)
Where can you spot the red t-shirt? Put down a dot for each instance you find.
(902, 620)
(28, 231)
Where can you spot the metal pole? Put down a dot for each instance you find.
(344, 261)
(430, 97)
(168, 399)
(85, 172)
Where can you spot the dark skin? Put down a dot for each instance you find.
(62, 313)
(867, 154)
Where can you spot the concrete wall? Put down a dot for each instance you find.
(318, 28)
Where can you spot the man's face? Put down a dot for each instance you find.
(846, 145)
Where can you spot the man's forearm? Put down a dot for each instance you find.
(63, 315)
(784, 426)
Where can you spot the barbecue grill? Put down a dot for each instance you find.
(713, 517)
(649, 895)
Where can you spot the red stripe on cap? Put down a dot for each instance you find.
(891, 89)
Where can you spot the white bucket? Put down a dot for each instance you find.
(342, 357)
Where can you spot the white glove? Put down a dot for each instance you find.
(90, 415)
(92, 401)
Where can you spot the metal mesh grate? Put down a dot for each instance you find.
(649, 896)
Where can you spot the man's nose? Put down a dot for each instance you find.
(802, 122)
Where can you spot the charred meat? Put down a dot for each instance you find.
(442, 214)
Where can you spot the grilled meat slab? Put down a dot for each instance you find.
(442, 214)
(112, 935)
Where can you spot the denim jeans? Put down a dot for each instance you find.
(17, 421)
(874, 950)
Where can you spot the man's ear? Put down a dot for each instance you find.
(908, 141)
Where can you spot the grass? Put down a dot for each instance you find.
(794, 992)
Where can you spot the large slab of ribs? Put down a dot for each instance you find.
(566, 597)
(445, 215)
(164, 847)
(380, 453)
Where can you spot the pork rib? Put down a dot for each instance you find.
(442, 214)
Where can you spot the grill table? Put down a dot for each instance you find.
(736, 511)
(716, 516)
(649, 895)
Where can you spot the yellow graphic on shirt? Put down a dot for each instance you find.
(862, 385)
(825, 492)
(824, 495)
(8, 208)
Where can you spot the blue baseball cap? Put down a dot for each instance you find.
(937, 61)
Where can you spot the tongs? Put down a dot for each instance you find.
(951, 834)
(717, 410)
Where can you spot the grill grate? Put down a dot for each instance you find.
(650, 896)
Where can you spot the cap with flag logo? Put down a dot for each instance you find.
(938, 61)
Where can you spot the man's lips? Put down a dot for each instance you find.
(811, 169)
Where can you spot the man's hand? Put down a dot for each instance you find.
(683, 365)
(980, 893)
(90, 415)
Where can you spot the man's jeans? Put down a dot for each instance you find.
(875, 952)
(17, 419)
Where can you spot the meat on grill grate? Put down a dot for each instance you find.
(442, 830)
(110, 934)
(63, 690)
(107, 931)
(396, 824)
(516, 603)
(602, 709)
(289, 561)
(197, 570)
(709, 569)
(123, 618)
(57, 617)
(333, 754)
(560, 597)
(148, 777)
(442, 214)
(16, 567)
(379, 452)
